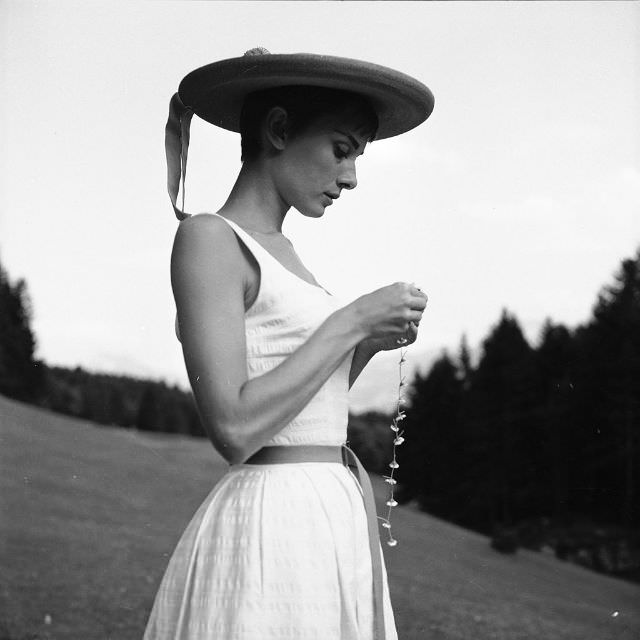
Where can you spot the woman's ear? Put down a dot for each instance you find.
(275, 129)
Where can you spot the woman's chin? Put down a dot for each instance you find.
(312, 212)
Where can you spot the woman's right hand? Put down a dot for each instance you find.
(388, 312)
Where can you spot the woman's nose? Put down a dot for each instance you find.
(347, 179)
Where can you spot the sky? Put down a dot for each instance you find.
(522, 191)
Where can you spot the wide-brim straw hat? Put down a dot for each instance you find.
(216, 93)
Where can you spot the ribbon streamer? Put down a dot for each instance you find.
(176, 145)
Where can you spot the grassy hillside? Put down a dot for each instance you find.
(89, 516)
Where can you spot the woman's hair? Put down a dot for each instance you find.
(304, 105)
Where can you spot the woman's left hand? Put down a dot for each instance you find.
(373, 345)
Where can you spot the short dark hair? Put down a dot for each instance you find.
(304, 105)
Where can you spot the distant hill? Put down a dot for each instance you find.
(89, 516)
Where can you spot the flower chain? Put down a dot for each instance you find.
(398, 439)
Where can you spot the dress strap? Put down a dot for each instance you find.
(251, 243)
(344, 455)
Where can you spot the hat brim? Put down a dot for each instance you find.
(217, 91)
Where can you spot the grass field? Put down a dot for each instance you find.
(89, 516)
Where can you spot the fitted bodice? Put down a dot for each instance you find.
(284, 314)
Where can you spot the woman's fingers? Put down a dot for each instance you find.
(389, 310)
(418, 298)
(411, 333)
(409, 327)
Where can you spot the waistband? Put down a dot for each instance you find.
(345, 456)
(298, 453)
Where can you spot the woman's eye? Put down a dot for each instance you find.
(341, 151)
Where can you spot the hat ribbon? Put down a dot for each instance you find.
(176, 144)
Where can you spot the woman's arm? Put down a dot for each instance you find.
(209, 274)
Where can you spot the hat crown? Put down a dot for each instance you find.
(257, 51)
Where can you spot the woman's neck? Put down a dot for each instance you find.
(254, 202)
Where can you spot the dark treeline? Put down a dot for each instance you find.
(106, 399)
(534, 437)
(120, 401)
(21, 376)
(527, 440)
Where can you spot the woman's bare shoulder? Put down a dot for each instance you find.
(213, 227)
(205, 239)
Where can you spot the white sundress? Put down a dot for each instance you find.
(278, 551)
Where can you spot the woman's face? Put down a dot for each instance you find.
(318, 163)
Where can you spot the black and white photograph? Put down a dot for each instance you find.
(319, 320)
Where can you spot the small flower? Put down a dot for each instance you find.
(397, 440)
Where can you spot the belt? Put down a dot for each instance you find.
(343, 455)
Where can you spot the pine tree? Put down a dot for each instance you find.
(428, 462)
(555, 370)
(20, 373)
(611, 343)
(503, 442)
(150, 417)
(464, 360)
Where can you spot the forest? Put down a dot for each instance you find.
(535, 445)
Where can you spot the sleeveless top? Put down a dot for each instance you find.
(281, 550)
(286, 312)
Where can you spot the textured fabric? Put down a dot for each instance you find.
(322, 453)
(278, 551)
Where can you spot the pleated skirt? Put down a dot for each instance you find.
(274, 552)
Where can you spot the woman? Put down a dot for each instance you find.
(284, 546)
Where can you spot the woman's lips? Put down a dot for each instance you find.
(330, 198)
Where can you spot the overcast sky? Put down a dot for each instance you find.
(521, 191)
